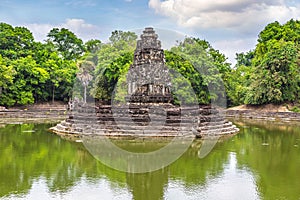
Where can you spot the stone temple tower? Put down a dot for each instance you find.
(149, 111)
(148, 78)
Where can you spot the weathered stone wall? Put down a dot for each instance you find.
(34, 113)
(263, 115)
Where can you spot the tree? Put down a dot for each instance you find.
(15, 42)
(62, 73)
(66, 43)
(239, 79)
(84, 75)
(107, 81)
(92, 46)
(203, 66)
(66, 75)
(120, 37)
(244, 59)
(277, 75)
(33, 71)
(113, 61)
(29, 75)
(7, 74)
(186, 77)
(275, 63)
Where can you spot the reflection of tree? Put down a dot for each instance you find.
(270, 154)
(189, 168)
(148, 186)
(194, 171)
(29, 156)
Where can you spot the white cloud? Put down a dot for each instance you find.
(83, 30)
(233, 46)
(39, 31)
(230, 14)
(231, 26)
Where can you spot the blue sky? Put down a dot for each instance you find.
(229, 25)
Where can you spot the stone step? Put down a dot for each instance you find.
(136, 121)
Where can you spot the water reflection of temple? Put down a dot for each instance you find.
(69, 165)
(148, 186)
(148, 80)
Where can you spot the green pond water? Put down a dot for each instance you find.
(261, 162)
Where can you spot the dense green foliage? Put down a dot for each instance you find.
(270, 73)
(32, 71)
(239, 79)
(203, 66)
(66, 43)
(114, 59)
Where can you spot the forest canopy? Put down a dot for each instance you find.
(63, 66)
(270, 72)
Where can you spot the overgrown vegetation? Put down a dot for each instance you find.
(269, 73)
(32, 71)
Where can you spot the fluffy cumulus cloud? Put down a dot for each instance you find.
(240, 15)
(229, 25)
(232, 46)
(81, 28)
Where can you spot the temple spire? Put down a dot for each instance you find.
(148, 78)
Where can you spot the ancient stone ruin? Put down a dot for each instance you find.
(149, 110)
(148, 79)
